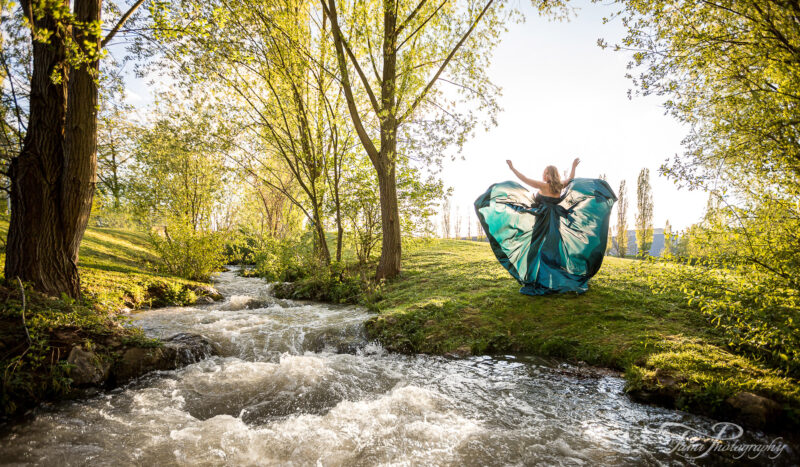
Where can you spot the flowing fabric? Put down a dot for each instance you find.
(549, 245)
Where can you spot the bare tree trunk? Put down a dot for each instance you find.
(52, 180)
(339, 229)
(322, 241)
(389, 264)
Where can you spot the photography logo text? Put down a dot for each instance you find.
(723, 437)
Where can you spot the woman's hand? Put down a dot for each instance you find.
(576, 162)
(510, 165)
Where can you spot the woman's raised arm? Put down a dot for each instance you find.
(572, 174)
(534, 183)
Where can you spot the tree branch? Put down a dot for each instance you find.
(366, 141)
(446, 61)
(125, 17)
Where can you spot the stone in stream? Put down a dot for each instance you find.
(207, 291)
(87, 368)
(90, 370)
(177, 351)
(754, 410)
(204, 300)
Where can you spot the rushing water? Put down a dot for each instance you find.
(298, 384)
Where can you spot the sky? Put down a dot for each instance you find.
(563, 97)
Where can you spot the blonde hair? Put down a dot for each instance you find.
(553, 179)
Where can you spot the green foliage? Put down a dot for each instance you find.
(757, 311)
(730, 71)
(162, 293)
(621, 237)
(644, 213)
(334, 284)
(188, 253)
(179, 173)
(283, 260)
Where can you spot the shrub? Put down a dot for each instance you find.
(188, 253)
(170, 294)
(334, 284)
(757, 316)
(283, 260)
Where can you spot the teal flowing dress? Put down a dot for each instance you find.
(549, 245)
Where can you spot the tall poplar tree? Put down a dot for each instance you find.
(622, 220)
(644, 213)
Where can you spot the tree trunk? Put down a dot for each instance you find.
(389, 265)
(339, 230)
(324, 252)
(52, 180)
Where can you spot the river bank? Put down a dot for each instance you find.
(53, 348)
(299, 383)
(454, 298)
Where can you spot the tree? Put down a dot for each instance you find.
(457, 224)
(446, 218)
(418, 41)
(669, 240)
(53, 177)
(644, 213)
(622, 221)
(15, 78)
(179, 171)
(115, 136)
(178, 185)
(730, 72)
(604, 177)
(273, 69)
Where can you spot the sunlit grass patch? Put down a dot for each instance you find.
(119, 269)
(454, 295)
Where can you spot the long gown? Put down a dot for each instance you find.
(550, 245)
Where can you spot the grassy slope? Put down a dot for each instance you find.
(116, 266)
(455, 295)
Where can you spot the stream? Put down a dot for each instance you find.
(298, 383)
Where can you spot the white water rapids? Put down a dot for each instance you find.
(298, 384)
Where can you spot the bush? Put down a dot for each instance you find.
(170, 294)
(757, 316)
(188, 253)
(283, 260)
(334, 284)
(241, 247)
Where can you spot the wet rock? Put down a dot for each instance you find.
(190, 348)
(176, 351)
(204, 300)
(663, 389)
(349, 341)
(87, 368)
(754, 410)
(207, 291)
(461, 352)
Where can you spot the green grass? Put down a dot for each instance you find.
(119, 268)
(454, 296)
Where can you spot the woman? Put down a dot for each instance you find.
(555, 242)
